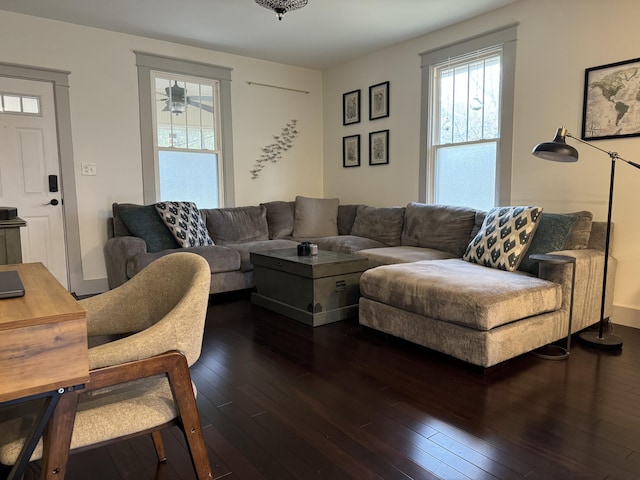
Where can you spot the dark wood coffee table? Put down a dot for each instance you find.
(314, 290)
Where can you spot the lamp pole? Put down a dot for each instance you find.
(610, 341)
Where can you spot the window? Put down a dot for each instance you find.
(21, 104)
(187, 140)
(185, 124)
(467, 122)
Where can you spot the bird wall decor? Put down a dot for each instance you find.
(274, 151)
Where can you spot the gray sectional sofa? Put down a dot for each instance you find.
(418, 286)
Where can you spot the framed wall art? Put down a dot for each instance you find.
(351, 151)
(351, 107)
(611, 102)
(379, 101)
(379, 147)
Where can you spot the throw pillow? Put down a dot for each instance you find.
(119, 228)
(505, 235)
(551, 235)
(185, 223)
(316, 217)
(143, 222)
(380, 224)
(280, 217)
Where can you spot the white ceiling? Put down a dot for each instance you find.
(322, 34)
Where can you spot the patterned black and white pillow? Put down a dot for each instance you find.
(504, 237)
(185, 223)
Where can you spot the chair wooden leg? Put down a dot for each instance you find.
(57, 437)
(156, 436)
(180, 381)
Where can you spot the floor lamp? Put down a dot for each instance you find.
(559, 151)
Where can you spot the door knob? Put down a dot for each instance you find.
(53, 202)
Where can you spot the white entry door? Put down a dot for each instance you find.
(28, 157)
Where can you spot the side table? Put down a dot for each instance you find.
(552, 351)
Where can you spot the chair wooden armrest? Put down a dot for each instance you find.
(174, 365)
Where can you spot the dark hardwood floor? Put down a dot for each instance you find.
(280, 400)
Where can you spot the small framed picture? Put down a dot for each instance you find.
(351, 107)
(379, 101)
(351, 151)
(611, 101)
(379, 147)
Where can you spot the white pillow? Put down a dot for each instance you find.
(185, 223)
(504, 237)
(315, 217)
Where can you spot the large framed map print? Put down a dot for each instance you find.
(612, 101)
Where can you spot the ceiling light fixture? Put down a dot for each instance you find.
(176, 101)
(282, 6)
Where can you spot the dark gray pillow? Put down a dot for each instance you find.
(280, 216)
(551, 235)
(381, 224)
(346, 217)
(119, 228)
(237, 224)
(441, 227)
(145, 223)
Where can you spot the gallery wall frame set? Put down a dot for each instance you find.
(378, 140)
(611, 101)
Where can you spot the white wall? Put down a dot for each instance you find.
(105, 120)
(557, 41)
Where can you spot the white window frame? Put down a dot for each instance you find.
(507, 37)
(148, 63)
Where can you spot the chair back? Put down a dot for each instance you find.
(162, 308)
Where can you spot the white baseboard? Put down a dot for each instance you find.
(629, 317)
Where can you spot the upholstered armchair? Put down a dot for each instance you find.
(143, 336)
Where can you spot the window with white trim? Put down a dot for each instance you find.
(185, 128)
(187, 139)
(467, 122)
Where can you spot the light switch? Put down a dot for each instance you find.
(88, 168)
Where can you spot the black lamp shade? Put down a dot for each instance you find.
(556, 150)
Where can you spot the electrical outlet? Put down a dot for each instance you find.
(88, 168)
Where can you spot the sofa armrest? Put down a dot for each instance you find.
(588, 284)
(117, 251)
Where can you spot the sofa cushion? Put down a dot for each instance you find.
(237, 224)
(145, 223)
(316, 217)
(442, 227)
(381, 224)
(434, 289)
(220, 259)
(346, 217)
(401, 254)
(245, 249)
(581, 231)
(505, 235)
(345, 243)
(185, 223)
(551, 236)
(280, 216)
